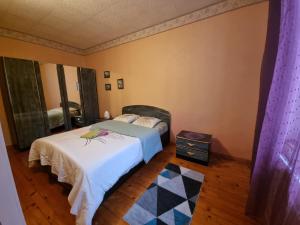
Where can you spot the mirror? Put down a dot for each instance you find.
(46, 98)
(52, 97)
(73, 93)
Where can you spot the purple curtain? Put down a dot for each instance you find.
(267, 68)
(275, 185)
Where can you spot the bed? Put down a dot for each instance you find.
(56, 115)
(90, 167)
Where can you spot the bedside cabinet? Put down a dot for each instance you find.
(193, 146)
(78, 121)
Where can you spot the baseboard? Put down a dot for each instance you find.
(230, 157)
(221, 155)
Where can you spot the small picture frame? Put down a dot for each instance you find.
(108, 87)
(120, 83)
(106, 74)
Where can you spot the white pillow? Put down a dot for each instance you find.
(146, 121)
(127, 118)
(162, 127)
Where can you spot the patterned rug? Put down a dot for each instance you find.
(170, 199)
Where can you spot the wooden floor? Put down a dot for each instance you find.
(222, 198)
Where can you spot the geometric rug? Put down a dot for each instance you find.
(170, 199)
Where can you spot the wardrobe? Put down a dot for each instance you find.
(24, 100)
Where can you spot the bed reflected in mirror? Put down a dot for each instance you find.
(73, 93)
(52, 97)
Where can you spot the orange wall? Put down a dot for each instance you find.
(206, 74)
(50, 85)
(71, 83)
(24, 50)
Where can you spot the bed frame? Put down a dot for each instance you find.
(142, 110)
(145, 110)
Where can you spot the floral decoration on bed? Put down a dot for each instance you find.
(93, 134)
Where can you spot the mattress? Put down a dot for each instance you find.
(55, 117)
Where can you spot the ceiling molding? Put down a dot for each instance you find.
(213, 10)
(40, 41)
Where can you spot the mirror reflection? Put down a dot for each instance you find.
(52, 97)
(73, 92)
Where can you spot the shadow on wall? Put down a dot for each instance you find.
(218, 147)
(219, 153)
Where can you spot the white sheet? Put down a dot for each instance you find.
(91, 169)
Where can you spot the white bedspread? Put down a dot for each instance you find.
(91, 169)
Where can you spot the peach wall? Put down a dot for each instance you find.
(24, 50)
(72, 83)
(50, 85)
(206, 74)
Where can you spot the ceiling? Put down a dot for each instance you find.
(83, 24)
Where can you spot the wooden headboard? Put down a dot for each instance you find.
(74, 105)
(145, 110)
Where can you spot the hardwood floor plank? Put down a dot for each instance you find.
(222, 199)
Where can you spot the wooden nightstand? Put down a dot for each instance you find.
(78, 121)
(193, 146)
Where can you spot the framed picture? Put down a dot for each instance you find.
(106, 74)
(120, 83)
(107, 87)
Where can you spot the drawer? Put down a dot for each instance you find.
(188, 148)
(192, 144)
(199, 154)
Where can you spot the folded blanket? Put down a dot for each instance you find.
(149, 137)
(91, 134)
(94, 133)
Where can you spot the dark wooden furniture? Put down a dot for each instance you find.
(23, 99)
(23, 96)
(193, 146)
(64, 96)
(145, 110)
(88, 95)
(78, 121)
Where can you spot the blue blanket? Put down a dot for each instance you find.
(150, 138)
